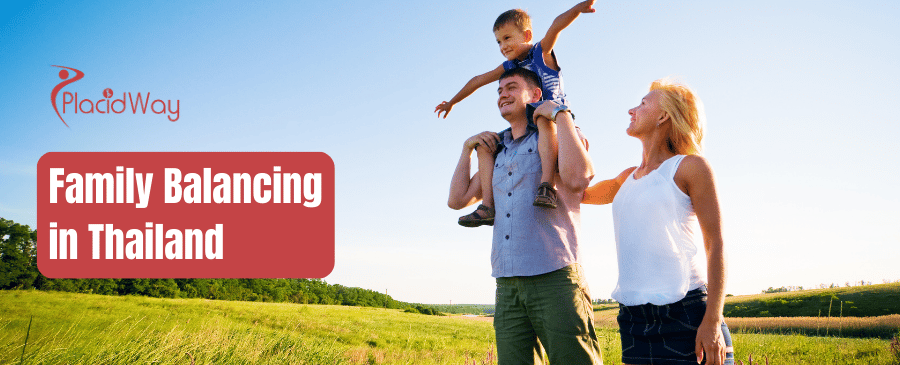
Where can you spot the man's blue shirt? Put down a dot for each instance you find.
(530, 240)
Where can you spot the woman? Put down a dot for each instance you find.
(666, 315)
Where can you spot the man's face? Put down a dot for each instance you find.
(514, 94)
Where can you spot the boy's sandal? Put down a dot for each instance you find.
(483, 215)
(546, 196)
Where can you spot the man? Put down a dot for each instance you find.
(542, 295)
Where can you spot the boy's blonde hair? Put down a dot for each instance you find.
(517, 17)
(685, 111)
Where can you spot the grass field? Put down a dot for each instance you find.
(884, 327)
(855, 301)
(91, 329)
(478, 309)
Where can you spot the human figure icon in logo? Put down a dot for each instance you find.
(64, 75)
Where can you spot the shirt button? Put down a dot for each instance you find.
(507, 236)
(508, 194)
(507, 215)
(510, 173)
(529, 150)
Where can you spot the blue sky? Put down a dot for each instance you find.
(800, 96)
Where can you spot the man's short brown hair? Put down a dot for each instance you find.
(531, 78)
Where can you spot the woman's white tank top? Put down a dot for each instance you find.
(657, 236)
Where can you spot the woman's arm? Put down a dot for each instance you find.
(695, 178)
(603, 192)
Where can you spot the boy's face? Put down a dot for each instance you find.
(514, 43)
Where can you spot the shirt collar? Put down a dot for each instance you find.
(506, 134)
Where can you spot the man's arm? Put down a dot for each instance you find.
(470, 87)
(560, 23)
(575, 167)
(465, 191)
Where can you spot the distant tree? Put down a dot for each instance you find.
(775, 290)
(18, 255)
(163, 288)
(102, 286)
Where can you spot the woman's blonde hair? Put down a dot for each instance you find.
(685, 111)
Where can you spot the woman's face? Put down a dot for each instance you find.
(645, 117)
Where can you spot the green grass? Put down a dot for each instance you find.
(798, 349)
(478, 309)
(857, 301)
(91, 329)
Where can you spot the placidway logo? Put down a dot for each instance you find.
(108, 105)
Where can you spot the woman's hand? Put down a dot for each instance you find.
(710, 343)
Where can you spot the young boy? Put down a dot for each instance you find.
(514, 35)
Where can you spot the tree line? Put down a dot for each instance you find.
(18, 270)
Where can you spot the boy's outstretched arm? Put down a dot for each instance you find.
(560, 23)
(473, 84)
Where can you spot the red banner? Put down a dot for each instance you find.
(185, 214)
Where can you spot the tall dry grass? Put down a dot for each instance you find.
(883, 327)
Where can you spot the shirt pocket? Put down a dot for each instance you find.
(517, 166)
(527, 162)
